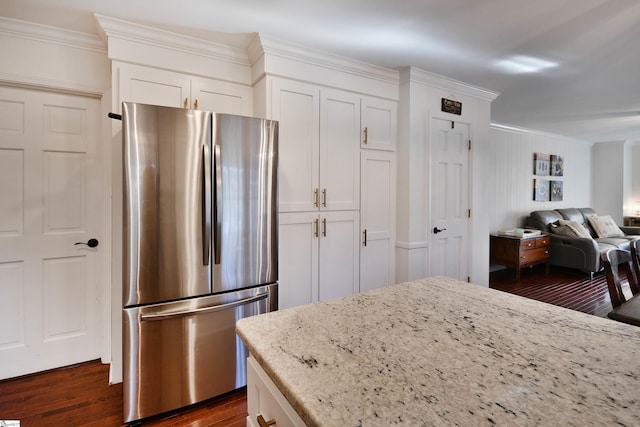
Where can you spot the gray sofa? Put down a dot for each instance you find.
(581, 253)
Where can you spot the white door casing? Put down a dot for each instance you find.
(449, 199)
(51, 190)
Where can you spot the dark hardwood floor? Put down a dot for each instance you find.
(564, 287)
(80, 396)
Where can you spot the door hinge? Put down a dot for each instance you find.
(469, 145)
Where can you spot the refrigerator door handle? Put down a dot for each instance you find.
(206, 202)
(211, 309)
(217, 170)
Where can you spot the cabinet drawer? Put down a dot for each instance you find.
(533, 256)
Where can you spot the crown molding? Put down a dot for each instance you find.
(416, 75)
(45, 33)
(117, 28)
(516, 129)
(266, 45)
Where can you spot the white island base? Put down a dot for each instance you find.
(265, 404)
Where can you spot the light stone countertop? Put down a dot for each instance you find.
(442, 352)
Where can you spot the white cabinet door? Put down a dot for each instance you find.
(318, 257)
(152, 86)
(296, 106)
(339, 150)
(297, 259)
(171, 89)
(378, 219)
(339, 254)
(379, 123)
(221, 97)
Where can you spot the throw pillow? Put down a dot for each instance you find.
(605, 226)
(569, 229)
(576, 227)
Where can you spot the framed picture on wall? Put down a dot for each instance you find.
(556, 191)
(541, 190)
(541, 164)
(557, 165)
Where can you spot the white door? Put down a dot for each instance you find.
(377, 219)
(449, 199)
(51, 192)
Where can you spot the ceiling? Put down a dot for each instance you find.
(570, 67)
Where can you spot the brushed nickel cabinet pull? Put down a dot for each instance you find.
(264, 423)
(324, 227)
(366, 135)
(324, 197)
(315, 197)
(315, 227)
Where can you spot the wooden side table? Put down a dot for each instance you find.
(516, 253)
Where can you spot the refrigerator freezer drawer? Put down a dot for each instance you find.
(180, 353)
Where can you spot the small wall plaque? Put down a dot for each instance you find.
(451, 106)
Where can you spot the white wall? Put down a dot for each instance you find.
(608, 167)
(509, 198)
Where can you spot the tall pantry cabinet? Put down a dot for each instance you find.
(320, 156)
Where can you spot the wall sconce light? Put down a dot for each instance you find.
(637, 207)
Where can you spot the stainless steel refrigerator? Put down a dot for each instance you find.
(199, 251)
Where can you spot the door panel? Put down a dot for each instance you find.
(377, 217)
(379, 119)
(449, 199)
(296, 107)
(339, 151)
(51, 187)
(339, 274)
(298, 252)
(166, 242)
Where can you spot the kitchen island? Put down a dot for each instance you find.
(438, 351)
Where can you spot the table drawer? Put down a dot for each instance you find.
(534, 256)
(529, 244)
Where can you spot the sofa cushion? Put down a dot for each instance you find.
(569, 229)
(605, 226)
(540, 220)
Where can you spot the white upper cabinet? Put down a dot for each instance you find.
(319, 149)
(339, 150)
(171, 89)
(379, 124)
(297, 108)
